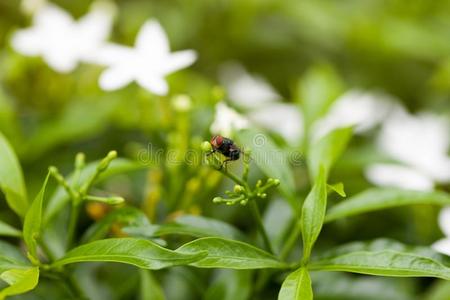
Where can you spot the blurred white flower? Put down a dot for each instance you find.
(443, 245)
(62, 41)
(357, 108)
(261, 103)
(420, 143)
(148, 63)
(227, 120)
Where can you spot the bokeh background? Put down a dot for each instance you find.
(397, 48)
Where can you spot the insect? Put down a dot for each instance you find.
(226, 147)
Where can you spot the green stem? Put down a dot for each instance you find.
(291, 240)
(73, 219)
(255, 211)
(47, 250)
(235, 179)
(75, 288)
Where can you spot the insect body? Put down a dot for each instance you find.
(226, 147)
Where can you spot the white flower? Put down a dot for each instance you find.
(227, 120)
(420, 144)
(261, 103)
(443, 245)
(148, 63)
(363, 110)
(62, 41)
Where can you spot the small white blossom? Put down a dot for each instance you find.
(363, 110)
(62, 41)
(227, 120)
(148, 63)
(443, 245)
(419, 144)
(262, 105)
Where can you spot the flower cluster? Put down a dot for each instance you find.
(64, 43)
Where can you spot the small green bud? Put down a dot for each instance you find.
(258, 183)
(263, 195)
(80, 160)
(243, 202)
(206, 146)
(107, 160)
(238, 189)
(217, 199)
(276, 182)
(229, 203)
(114, 200)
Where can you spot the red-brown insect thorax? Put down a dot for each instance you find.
(216, 141)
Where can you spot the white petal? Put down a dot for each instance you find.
(284, 119)
(227, 120)
(27, 42)
(179, 60)
(245, 90)
(51, 15)
(442, 246)
(444, 220)
(115, 78)
(152, 39)
(154, 84)
(355, 108)
(398, 176)
(61, 61)
(95, 26)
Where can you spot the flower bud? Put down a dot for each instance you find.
(206, 146)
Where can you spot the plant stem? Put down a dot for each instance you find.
(292, 238)
(73, 219)
(235, 179)
(46, 250)
(255, 211)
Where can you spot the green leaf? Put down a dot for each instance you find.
(60, 197)
(125, 216)
(196, 226)
(325, 151)
(313, 214)
(318, 89)
(138, 252)
(338, 188)
(384, 258)
(11, 179)
(270, 159)
(383, 198)
(150, 288)
(11, 256)
(20, 281)
(229, 254)
(297, 286)
(33, 221)
(8, 230)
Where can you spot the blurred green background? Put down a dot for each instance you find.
(398, 47)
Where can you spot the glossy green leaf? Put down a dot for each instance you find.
(125, 216)
(325, 151)
(20, 281)
(270, 159)
(60, 197)
(318, 89)
(229, 254)
(149, 287)
(297, 286)
(383, 198)
(384, 258)
(8, 230)
(196, 226)
(138, 252)
(33, 221)
(11, 179)
(313, 214)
